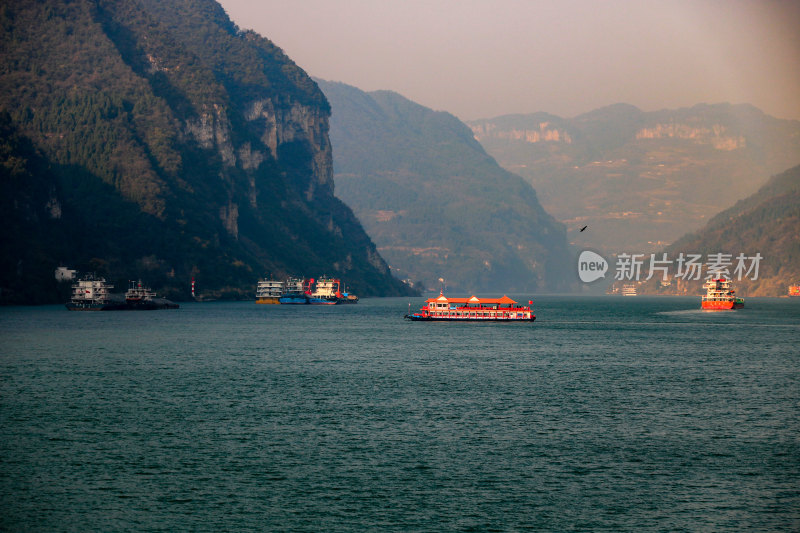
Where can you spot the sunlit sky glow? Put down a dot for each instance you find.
(482, 58)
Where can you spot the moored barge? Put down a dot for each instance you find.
(324, 291)
(269, 291)
(92, 293)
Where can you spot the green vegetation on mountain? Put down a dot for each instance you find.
(638, 179)
(155, 140)
(767, 223)
(435, 203)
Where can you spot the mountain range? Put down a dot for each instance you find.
(765, 224)
(440, 209)
(640, 180)
(157, 140)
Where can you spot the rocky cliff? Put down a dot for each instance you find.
(166, 143)
(640, 180)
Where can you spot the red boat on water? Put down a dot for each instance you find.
(473, 308)
(719, 296)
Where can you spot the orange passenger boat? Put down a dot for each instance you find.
(473, 308)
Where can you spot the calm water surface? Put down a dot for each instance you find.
(617, 414)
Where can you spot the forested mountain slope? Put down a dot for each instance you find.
(766, 223)
(155, 140)
(441, 210)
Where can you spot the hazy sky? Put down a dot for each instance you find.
(483, 58)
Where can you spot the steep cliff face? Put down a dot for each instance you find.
(215, 136)
(543, 133)
(714, 134)
(296, 123)
(640, 179)
(277, 129)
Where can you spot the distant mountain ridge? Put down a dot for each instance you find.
(155, 139)
(639, 179)
(440, 210)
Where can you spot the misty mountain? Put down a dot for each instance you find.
(436, 205)
(156, 140)
(641, 179)
(767, 223)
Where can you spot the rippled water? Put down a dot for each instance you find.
(619, 414)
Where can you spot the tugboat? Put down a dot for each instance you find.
(137, 294)
(329, 292)
(473, 309)
(348, 298)
(141, 298)
(719, 296)
(269, 291)
(326, 292)
(91, 293)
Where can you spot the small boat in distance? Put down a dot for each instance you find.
(720, 296)
(473, 308)
(629, 289)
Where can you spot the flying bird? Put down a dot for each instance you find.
(583, 228)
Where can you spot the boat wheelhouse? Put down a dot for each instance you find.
(473, 308)
(720, 296)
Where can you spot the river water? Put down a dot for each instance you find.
(607, 413)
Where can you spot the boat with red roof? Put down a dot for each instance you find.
(473, 308)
